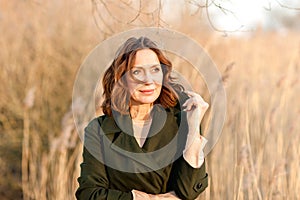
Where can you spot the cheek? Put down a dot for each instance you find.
(159, 91)
(158, 79)
(132, 87)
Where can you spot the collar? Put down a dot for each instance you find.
(120, 144)
(123, 123)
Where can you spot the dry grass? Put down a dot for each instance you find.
(43, 45)
(257, 156)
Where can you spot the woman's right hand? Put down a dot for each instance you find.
(166, 196)
(139, 195)
(195, 108)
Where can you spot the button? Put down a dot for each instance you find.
(199, 186)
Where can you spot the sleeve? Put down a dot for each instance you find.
(93, 180)
(193, 153)
(186, 181)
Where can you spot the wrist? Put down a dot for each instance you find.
(191, 137)
(133, 195)
(193, 129)
(193, 153)
(196, 142)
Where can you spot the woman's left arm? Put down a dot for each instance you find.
(195, 108)
(189, 177)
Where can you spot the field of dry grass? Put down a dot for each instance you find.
(42, 47)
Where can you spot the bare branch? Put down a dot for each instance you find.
(269, 8)
(102, 8)
(138, 13)
(224, 10)
(193, 2)
(127, 4)
(199, 6)
(153, 17)
(214, 27)
(139, 10)
(95, 12)
(158, 14)
(288, 7)
(110, 13)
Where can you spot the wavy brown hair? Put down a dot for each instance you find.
(116, 94)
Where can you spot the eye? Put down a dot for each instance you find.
(136, 72)
(156, 69)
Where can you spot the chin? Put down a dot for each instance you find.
(146, 100)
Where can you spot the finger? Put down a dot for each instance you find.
(190, 93)
(188, 108)
(193, 94)
(200, 101)
(187, 102)
(191, 105)
(204, 105)
(184, 104)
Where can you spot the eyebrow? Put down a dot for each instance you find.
(147, 65)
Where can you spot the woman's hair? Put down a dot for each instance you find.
(116, 93)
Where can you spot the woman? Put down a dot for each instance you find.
(144, 146)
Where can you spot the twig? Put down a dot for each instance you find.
(158, 14)
(138, 13)
(214, 27)
(288, 7)
(94, 10)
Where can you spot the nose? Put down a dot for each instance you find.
(148, 79)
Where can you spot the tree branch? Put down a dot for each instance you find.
(285, 6)
(216, 28)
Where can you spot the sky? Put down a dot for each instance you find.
(245, 15)
(248, 14)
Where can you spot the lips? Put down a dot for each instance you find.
(147, 92)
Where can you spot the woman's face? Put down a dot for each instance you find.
(146, 69)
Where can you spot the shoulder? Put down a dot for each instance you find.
(95, 123)
(102, 125)
(93, 128)
(92, 139)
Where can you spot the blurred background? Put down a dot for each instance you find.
(255, 45)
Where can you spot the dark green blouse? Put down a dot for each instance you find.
(158, 167)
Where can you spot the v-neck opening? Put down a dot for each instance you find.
(141, 131)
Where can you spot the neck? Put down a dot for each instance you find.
(140, 112)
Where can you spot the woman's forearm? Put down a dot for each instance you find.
(193, 152)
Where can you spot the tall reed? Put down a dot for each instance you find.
(43, 45)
